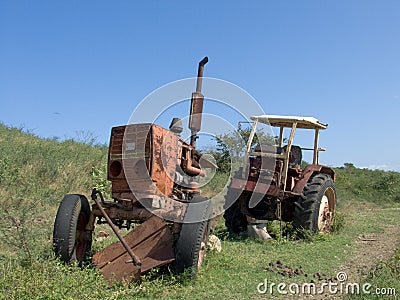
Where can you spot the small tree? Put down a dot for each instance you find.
(232, 145)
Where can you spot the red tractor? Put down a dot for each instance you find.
(154, 175)
(273, 186)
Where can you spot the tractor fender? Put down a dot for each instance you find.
(308, 171)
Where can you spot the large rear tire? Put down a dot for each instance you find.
(316, 206)
(70, 239)
(190, 247)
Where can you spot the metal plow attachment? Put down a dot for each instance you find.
(151, 243)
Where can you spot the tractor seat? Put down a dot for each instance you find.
(264, 148)
(295, 156)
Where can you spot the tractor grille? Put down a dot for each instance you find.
(130, 152)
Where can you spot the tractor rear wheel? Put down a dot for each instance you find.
(190, 247)
(314, 209)
(70, 239)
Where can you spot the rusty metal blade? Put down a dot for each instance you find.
(151, 242)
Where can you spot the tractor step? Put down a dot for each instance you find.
(151, 242)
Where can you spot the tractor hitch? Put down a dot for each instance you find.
(135, 260)
(147, 246)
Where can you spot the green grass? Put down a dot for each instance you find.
(236, 271)
(384, 279)
(373, 186)
(35, 174)
(387, 274)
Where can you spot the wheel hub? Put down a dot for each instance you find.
(324, 215)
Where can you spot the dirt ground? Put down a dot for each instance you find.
(370, 249)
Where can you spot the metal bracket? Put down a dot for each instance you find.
(135, 259)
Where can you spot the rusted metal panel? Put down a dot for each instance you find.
(133, 238)
(307, 172)
(254, 186)
(164, 153)
(141, 214)
(135, 259)
(130, 149)
(120, 186)
(151, 242)
(147, 155)
(175, 212)
(144, 186)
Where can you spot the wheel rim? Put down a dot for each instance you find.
(81, 239)
(326, 210)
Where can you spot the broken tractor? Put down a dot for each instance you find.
(274, 184)
(155, 194)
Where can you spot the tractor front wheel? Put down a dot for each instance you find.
(315, 208)
(70, 239)
(190, 247)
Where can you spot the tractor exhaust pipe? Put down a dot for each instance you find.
(200, 74)
(196, 106)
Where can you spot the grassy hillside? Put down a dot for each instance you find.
(36, 173)
(362, 185)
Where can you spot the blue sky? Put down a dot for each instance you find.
(67, 66)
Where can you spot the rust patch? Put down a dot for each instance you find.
(145, 154)
(151, 242)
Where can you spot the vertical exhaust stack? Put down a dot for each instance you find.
(196, 106)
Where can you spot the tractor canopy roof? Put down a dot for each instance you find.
(287, 121)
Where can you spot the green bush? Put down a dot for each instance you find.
(35, 174)
(374, 186)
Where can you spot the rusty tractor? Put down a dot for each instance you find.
(273, 186)
(154, 175)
